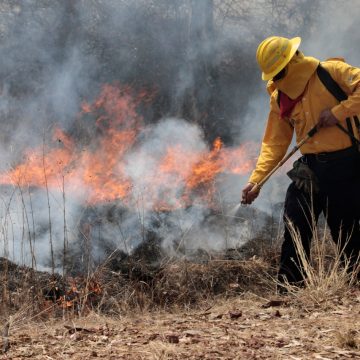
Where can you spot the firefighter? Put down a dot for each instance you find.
(326, 179)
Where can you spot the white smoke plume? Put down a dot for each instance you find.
(55, 55)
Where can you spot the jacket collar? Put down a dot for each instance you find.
(299, 71)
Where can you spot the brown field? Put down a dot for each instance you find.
(245, 327)
(219, 310)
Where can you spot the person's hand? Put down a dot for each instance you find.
(249, 196)
(326, 119)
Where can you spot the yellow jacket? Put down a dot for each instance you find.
(305, 115)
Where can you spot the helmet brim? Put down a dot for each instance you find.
(295, 43)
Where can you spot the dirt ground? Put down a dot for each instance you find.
(247, 327)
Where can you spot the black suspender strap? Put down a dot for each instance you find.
(357, 123)
(351, 131)
(333, 87)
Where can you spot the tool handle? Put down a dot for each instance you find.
(310, 134)
(257, 187)
(279, 164)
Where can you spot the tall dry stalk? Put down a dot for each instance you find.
(27, 223)
(32, 249)
(327, 271)
(65, 242)
(123, 237)
(140, 207)
(31, 243)
(6, 220)
(49, 211)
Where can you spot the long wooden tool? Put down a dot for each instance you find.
(309, 135)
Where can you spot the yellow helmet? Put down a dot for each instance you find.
(274, 53)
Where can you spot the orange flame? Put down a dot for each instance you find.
(86, 293)
(98, 168)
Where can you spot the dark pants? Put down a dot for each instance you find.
(338, 199)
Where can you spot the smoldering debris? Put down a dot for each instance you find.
(195, 234)
(133, 286)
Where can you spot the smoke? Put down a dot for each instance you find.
(336, 33)
(143, 164)
(37, 223)
(199, 59)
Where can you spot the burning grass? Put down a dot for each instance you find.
(243, 325)
(177, 308)
(171, 284)
(102, 163)
(122, 284)
(174, 309)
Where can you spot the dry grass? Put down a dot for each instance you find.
(261, 329)
(179, 284)
(178, 309)
(327, 272)
(139, 286)
(348, 339)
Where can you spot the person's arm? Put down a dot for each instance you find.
(276, 141)
(348, 77)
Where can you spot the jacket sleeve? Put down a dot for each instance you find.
(276, 140)
(348, 77)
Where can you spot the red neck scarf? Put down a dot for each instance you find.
(287, 105)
